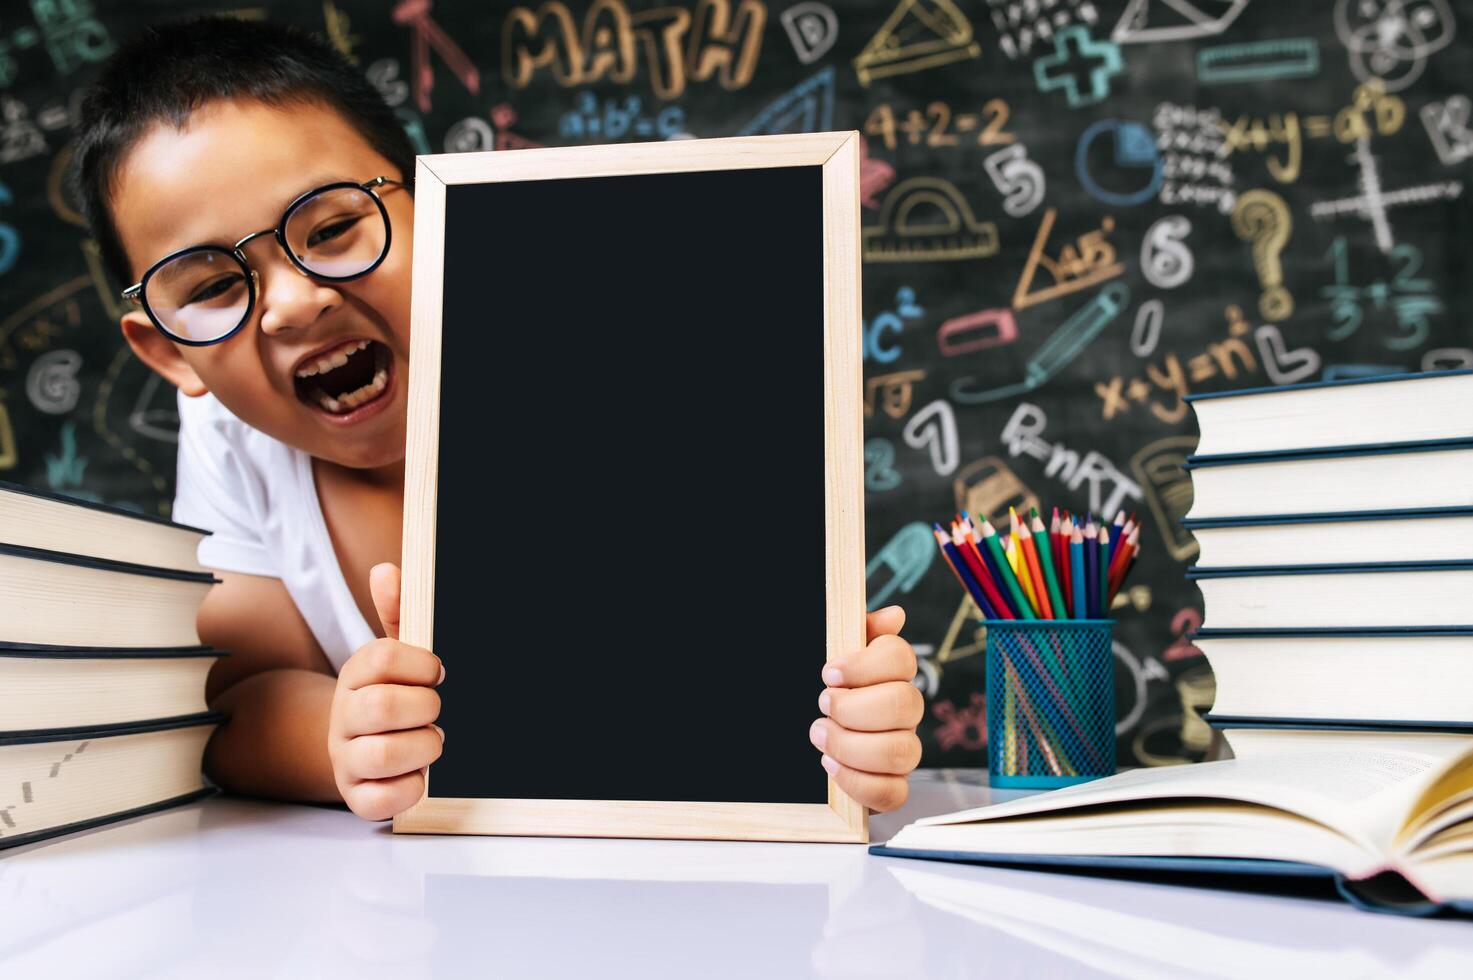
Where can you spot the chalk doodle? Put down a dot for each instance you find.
(1284, 366)
(72, 36)
(9, 450)
(1262, 218)
(1153, 21)
(1145, 334)
(1080, 66)
(1374, 202)
(504, 117)
(1194, 165)
(615, 119)
(383, 75)
(1391, 40)
(928, 675)
(933, 428)
(106, 388)
(1017, 178)
(1344, 372)
(988, 487)
(889, 321)
(906, 556)
(718, 40)
(1139, 675)
(926, 219)
(874, 177)
(1166, 261)
(20, 138)
(1447, 127)
(424, 35)
(470, 135)
(1020, 23)
(961, 727)
(51, 383)
(1408, 298)
(1226, 358)
(1159, 466)
(1447, 359)
(36, 324)
(939, 125)
(65, 468)
(1371, 112)
(972, 332)
(952, 648)
(155, 414)
(1090, 260)
(9, 237)
(894, 392)
(807, 108)
(879, 465)
(812, 27)
(1109, 488)
(918, 34)
(1071, 337)
(1134, 171)
(1258, 61)
(338, 26)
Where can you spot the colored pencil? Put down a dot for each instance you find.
(1030, 557)
(1116, 535)
(1091, 569)
(1020, 601)
(1120, 556)
(1076, 562)
(1129, 550)
(995, 573)
(1010, 551)
(1066, 572)
(994, 609)
(963, 575)
(1050, 575)
(1053, 542)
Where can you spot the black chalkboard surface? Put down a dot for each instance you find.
(620, 465)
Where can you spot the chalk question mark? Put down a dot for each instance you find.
(1262, 218)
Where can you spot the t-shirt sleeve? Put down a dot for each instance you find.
(213, 491)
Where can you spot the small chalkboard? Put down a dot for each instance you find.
(633, 520)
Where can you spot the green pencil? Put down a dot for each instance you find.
(989, 537)
(1046, 559)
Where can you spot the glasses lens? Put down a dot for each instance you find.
(199, 296)
(338, 233)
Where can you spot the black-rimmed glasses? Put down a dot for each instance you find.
(205, 293)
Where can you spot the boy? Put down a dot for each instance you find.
(251, 186)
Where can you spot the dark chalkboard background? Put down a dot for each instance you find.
(605, 495)
(980, 120)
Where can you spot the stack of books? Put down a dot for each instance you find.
(1335, 523)
(1336, 531)
(102, 674)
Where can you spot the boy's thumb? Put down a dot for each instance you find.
(383, 585)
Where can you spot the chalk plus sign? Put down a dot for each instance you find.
(1101, 60)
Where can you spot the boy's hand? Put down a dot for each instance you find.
(868, 740)
(381, 734)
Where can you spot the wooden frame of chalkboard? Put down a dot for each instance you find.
(836, 157)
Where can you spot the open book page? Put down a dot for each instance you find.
(1363, 795)
(1177, 827)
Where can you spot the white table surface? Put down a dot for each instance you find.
(238, 888)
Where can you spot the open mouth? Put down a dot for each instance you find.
(346, 378)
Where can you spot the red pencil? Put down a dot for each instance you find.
(1124, 560)
(966, 546)
(1066, 571)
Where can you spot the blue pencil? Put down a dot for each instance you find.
(1091, 570)
(963, 574)
(1076, 562)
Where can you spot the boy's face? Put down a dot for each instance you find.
(232, 171)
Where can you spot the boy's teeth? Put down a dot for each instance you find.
(352, 399)
(330, 360)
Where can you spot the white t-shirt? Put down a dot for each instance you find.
(258, 497)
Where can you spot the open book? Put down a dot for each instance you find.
(1395, 824)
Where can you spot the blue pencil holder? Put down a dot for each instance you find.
(1050, 702)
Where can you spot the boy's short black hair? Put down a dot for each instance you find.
(168, 71)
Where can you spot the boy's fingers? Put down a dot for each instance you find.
(391, 753)
(883, 793)
(883, 622)
(877, 708)
(383, 585)
(887, 753)
(380, 799)
(887, 658)
(388, 708)
(385, 661)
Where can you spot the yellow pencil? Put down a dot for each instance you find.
(1020, 569)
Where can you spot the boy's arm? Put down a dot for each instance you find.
(276, 686)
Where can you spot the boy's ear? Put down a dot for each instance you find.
(160, 353)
